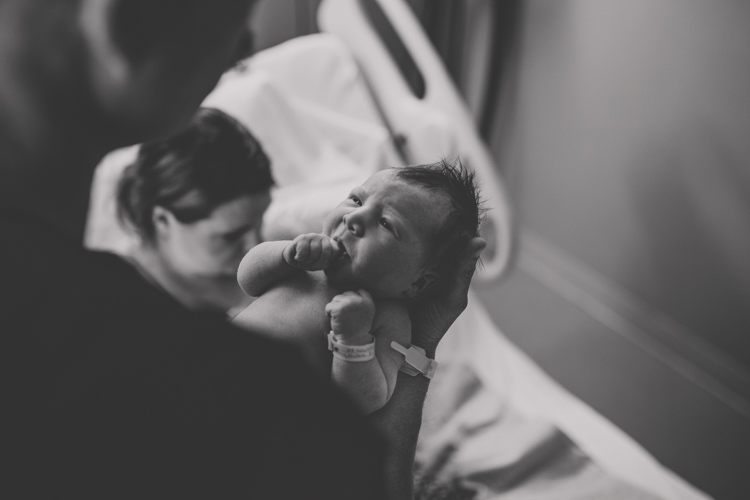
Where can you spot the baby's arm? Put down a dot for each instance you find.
(369, 383)
(268, 263)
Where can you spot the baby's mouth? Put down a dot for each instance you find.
(342, 256)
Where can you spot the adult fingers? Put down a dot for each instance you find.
(459, 290)
(431, 320)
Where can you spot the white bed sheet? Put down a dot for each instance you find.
(520, 409)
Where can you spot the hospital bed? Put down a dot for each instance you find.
(331, 109)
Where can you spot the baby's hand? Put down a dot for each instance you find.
(311, 252)
(351, 315)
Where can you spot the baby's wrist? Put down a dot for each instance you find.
(362, 338)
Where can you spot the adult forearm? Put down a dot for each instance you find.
(399, 422)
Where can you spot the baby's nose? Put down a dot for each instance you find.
(355, 223)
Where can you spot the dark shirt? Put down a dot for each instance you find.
(109, 388)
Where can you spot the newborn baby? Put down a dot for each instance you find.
(395, 239)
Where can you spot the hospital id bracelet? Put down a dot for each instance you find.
(356, 353)
(415, 361)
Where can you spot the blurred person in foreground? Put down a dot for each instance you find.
(109, 387)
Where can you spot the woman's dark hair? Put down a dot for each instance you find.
(213, 160)
(466, 212)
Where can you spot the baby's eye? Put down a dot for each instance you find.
(356, 200)
(384, 222)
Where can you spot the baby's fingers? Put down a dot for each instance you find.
(290, 251)
(334, 306)
(329, 308)
(326, 249)
(366, 296)
(335, 249)
(339, 302)
(314, 250)
(303, 249)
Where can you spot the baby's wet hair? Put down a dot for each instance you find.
(466, 212)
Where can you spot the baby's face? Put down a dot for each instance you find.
(386, 228)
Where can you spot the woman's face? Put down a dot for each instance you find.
(215, 245)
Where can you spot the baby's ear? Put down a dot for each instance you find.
(423, 283)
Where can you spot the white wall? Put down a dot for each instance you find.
(627, 142)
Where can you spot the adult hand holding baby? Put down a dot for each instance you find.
(431, 319)
(399, 421)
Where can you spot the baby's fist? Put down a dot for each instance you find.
(311, 252)
(351, 315)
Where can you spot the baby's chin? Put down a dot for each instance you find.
(338, 277)
(342, 280)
